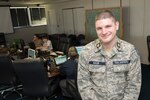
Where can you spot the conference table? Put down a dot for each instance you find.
(52, 71)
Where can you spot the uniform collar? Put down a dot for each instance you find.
(98, 45)
(118, 45)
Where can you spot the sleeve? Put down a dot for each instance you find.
(51, 47)
(132, 90)
(83, 80)
(62, 70)
(49, 44)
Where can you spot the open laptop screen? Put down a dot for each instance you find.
(31, 53)
(60, 59)
(79, 48)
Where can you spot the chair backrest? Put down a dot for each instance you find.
(55, 41)
(72, 87)
(73, 39)
(63, 35)
(33, 76)
(7, 75)
(80, 39)
(148, 46)
(64, 44)
(32, 45)
(2, 39)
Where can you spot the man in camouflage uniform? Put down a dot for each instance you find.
(109, 68)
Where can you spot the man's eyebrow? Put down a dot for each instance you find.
(108, 25)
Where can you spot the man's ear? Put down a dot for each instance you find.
(117, 25)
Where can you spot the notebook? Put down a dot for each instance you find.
(60, 59)
(31, 53)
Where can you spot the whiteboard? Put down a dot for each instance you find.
(5, 20)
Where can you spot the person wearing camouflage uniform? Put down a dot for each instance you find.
(109, 68)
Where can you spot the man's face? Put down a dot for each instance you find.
(34, 38)
(106, 30)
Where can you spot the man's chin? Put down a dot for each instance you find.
(105, 41)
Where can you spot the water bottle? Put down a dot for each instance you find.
(14, 45)
(48, 64)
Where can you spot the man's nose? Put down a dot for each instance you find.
(103, 31)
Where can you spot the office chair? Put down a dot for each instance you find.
(64, 45)
(8, 79)
(73, 39)
(2, 39)
(55, 41)
(32, 45)
(80, 40)
(148, 46)
(34, 78)
(63, 35)
(73, 89)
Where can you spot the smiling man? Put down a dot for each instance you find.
(109, 68)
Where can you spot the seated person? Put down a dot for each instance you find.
(68, 69)
(4, 50)
(37, 41)
(47, 45)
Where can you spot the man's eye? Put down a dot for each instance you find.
(99, 28)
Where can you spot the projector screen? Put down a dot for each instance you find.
(5, 20)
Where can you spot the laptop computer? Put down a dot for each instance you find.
(79, 49)
(60, 59)
(31, 53)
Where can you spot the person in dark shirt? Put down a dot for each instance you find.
(68, 69)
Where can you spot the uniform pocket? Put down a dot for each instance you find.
(97, 74)
(121, 68)
(120, 74)
(97, 68)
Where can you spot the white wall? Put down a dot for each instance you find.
(52, 21)
(5, 20)
(137, 23)
(25, 33)
(61, 8)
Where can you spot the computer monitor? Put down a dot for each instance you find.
(79, 48)
(31, 53)
(60, 59)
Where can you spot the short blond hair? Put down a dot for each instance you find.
(72, 52)
(104, 14)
